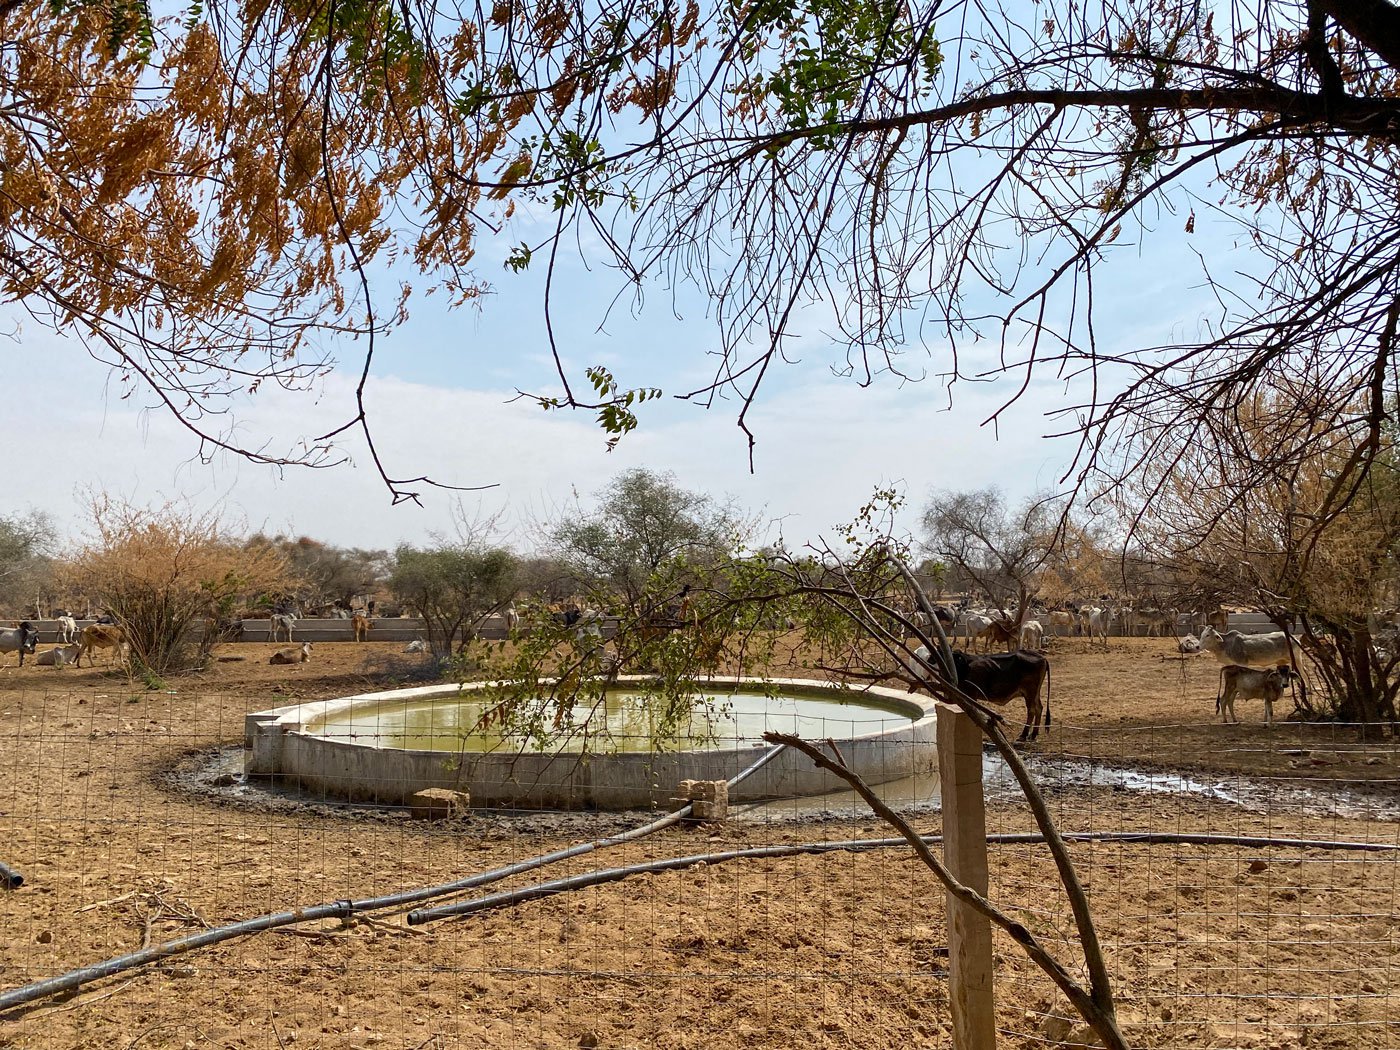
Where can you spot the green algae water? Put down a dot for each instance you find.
(620, 720)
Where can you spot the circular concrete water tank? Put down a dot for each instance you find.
(292, 744)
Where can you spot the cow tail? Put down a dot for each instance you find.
(1047, 696)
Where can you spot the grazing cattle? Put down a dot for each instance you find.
(298, 654)
(61, 656)
(99, 636)
(1243, 683)
(21, 639)
(360, 624)
(67, 629)
(998, 678)
(983, 626)
(1095, 622)
(1249, 650)
(1032, 634)
(1160, 622)
(282, 622)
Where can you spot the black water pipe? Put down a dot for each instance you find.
(9, 878)
(75, 979)
(594, 878)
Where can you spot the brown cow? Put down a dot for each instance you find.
(100, 636)
(360, 624)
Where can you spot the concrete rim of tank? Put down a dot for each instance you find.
(277, 746)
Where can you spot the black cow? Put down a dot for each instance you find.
(997, 678)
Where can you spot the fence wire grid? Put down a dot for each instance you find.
(130, 820)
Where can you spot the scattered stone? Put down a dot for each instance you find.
(1056, 1029)
(224, 780)
(439, 804)
(44, 937)
(709, 799)
(588, 1041)
(1256, 866)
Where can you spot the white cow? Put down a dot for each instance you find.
(1032, 635)
(67, 629)
(1095, 622)
(60, 656)
(1249, 650)
(1062, 619)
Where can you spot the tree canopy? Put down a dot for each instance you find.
(203, 197)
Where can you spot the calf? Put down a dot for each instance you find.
(299, 654)
(1244, 683)
(99, 636)
(998, 678)
(21, 639)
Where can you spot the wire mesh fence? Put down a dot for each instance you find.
(127, 813)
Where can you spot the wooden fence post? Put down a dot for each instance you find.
(965, 853)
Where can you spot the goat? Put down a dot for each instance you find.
(295, 655)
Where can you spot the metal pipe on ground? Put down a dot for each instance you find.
(9, 878)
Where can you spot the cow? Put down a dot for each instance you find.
(1244, 683)
(360, 624)
(1274, 649)
(1218, 619)
(1061, 618)
(298, 654)
(67, 629)
(1159, 622)
(1032, 635)
(977, 626)
(1095, 622)
(99, 636)
(60, 656)
(998, 678)
(22, 639)
(282, 622)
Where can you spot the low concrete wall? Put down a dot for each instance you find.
(277, 747)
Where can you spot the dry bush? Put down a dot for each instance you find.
(172, 577)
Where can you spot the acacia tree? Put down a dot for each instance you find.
(455, 588)
(639, 545)
(1231, 526)
(1000, 550)
(26, 565)
(171, 576)
(198, 195)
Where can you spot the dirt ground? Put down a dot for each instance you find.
(1209, 945)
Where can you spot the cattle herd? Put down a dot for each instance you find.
(1253, 666)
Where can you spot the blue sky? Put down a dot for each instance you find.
(441, 404)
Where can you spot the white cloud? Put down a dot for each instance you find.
(823, 445)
